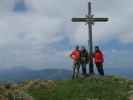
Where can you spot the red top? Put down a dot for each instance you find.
(98, 57)
(75, 55)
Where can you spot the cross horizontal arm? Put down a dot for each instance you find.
(100, 19)
(89, 19)
(79, 19)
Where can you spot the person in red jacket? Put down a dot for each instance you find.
(99, 60)
(75, 56)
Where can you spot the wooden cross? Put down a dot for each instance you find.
(90, 20)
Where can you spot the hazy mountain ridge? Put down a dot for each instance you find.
(23, 73)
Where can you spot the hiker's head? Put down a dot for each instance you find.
(83, 48)
(97, 48)
(77, 47)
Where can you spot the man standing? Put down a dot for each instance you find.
(84, 59)
(75, 55)
(99, 59)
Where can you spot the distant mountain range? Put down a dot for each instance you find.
(19, 74)
(126, 72)
(22, 73)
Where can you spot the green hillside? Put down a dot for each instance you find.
(93, 88)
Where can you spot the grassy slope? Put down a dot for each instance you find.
(93, 88)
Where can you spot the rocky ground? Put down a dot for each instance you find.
(19, 91)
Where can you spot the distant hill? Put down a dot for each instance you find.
(126, 72)
(19, 74)
(22, 73)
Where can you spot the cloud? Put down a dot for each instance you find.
(26, 38)
(29, 38)
(118, 58)
(119, 22)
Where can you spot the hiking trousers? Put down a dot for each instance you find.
(83, 68)
(76, 68)
(100, 68)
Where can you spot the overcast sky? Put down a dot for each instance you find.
(40, 34)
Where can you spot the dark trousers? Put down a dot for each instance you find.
(83, 68)
(100, 68)
(76, 68)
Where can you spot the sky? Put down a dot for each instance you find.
(39, 33)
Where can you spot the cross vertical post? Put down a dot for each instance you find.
(90, 41)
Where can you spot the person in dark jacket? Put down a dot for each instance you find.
(83, 59)
(99, 60)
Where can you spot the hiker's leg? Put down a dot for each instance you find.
(84, 68)
(78, 68)
(98, 68)
(101, 69)
(74, 71)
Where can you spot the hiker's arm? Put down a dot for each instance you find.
(71, 54)
(102, 57)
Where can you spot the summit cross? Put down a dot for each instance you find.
(90, 20)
